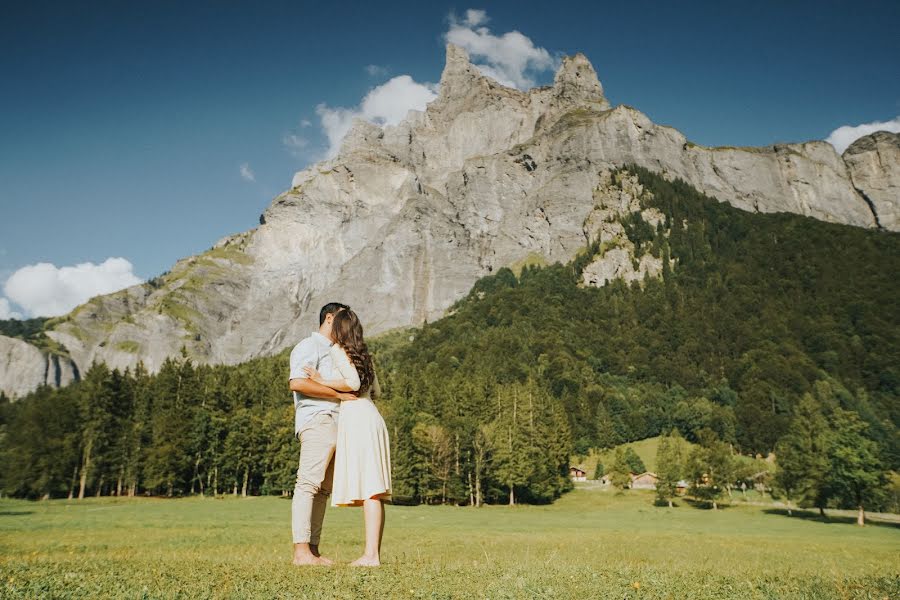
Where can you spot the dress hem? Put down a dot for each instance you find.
(386, 498)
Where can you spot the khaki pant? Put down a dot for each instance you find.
(314, 477)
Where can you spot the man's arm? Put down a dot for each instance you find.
(310, 388)
(305, 354)
(349, 381)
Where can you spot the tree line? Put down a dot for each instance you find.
(825, 459)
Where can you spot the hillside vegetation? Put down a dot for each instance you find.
(759, 314)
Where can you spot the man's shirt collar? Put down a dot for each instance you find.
(322, 338)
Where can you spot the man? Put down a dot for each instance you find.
(315, 424)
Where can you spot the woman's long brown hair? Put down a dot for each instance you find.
(347, 331)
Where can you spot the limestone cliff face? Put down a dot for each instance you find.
(874, 164)
(406, 218)
(23, 367)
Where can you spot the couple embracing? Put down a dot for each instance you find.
(344, 446)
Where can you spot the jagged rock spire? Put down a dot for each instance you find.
(576, 82)
(459, 79)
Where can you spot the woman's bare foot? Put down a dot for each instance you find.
(366, 561)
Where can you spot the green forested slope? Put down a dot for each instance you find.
(487, 403)
(759, 310)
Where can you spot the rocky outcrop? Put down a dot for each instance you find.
(407, 217)
(23, 367)
(874, 164)
(618, 197)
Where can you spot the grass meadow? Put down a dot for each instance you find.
(590, 544)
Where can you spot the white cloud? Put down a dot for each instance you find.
(247, 173)
(6, 310)
(48, 291)
(512, 58)
(295, 144)
(386, 104)
(305, 122)
(842, 137)
(376, 70)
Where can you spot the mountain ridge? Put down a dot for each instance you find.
(407, 217)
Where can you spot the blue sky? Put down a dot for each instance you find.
(124, 125)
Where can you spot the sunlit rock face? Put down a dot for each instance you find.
(406, 218)
(874, 164)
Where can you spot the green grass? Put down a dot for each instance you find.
(590, 544)
(180, 311)
(646, 449)
(128, 346)
(229, 253)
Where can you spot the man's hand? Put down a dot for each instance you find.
(344, 396)
(312, 373)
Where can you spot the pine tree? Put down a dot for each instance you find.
(621, 470)
(857, 476)
(96, 402)
(670, 466)
(634, 462)
(436, 446)
(802, 456)
(711, 466)
(136, 434)
(481, 460)
(169, 460)
(512, 466)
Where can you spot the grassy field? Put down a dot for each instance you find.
(646, 449)
(590, 544)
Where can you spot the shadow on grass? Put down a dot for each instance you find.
(810, 515)
(15, 513)
(691, 502)
(704, 504)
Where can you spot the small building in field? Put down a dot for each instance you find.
(644, 481)
(681, 487)
(606, 479)
(577, 474)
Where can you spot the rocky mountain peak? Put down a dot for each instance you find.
(576, 82)
(457, 63)
(459, 75)
(868, 143)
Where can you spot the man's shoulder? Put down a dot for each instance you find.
(306, 343)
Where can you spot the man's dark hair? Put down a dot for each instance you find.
(330, 309)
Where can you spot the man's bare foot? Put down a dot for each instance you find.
(307, 561)
(366, 561)
(308, 555)
(304, 559)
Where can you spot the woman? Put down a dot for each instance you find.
(362, 462)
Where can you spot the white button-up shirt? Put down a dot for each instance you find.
(314, 351)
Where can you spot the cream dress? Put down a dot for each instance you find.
(362, 456)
